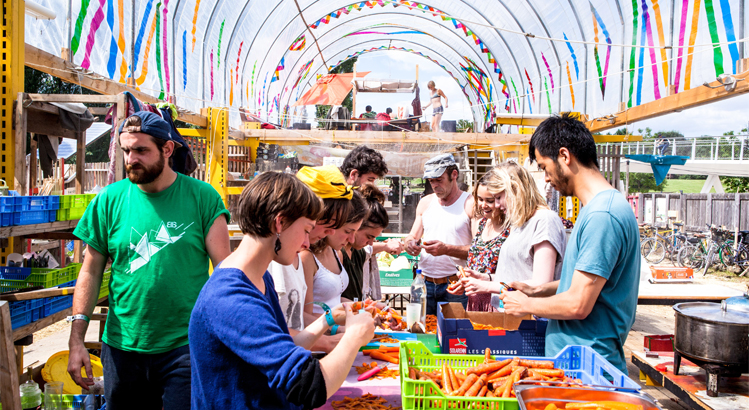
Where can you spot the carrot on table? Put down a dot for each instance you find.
(470, 380)
(476, 387)
(382, 356)
(489, 367)
(537, 364)
(389, 348)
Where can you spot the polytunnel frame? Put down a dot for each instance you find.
(437, 39)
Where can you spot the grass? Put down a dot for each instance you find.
(689, 186)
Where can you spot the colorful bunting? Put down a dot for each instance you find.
(91, 38)
(574, 57)
(277, 73)
(632, 51)
(184, 60)
(533, 94)
(75, 42)
(195, 23)
(690, 49)
(298, 44)
(598, 21)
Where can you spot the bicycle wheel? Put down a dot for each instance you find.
(675, 244)
(742, 258)
(653, 251)
(727, 255)
(691, 256)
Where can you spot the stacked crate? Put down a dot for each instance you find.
(73, 206)
(27, 210)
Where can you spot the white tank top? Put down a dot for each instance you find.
(327, 286)
(448, 224)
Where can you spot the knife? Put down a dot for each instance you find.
(369, 373)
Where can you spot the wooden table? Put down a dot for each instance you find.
(689, 384)
(672, 293)
(389, 389)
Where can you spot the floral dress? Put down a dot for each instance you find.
(482, 257)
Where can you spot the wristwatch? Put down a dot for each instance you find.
(78, 317)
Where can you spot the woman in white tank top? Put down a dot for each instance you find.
(324, 274)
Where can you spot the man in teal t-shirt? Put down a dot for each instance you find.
(159, 228)
(595, 300)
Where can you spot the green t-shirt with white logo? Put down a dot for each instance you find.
(159, 259)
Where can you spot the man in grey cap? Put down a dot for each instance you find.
(441, 232)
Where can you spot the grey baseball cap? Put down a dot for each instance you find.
(436, 166)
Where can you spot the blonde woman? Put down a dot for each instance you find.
(533, 251)
(435, 100)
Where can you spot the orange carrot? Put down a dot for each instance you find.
(503, 370)
(537, 364)
(487, 355)
(381, 356)
(550, 372)
(453, 380)
(476, 388)
(506, 388)
(484, 391)
(460, 376)
(470, 380)
(389, 349)
(446, 383)
(489, 367)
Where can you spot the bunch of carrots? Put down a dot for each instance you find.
(386, 353)
(431, 324)
(382, 374)
(367, 401)
(481, 326)
(491, 378)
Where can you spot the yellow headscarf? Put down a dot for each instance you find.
(325, 182)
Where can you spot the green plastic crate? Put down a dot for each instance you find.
(75, 201)
(104, 290)
(45, 278)
(69, 214)
(426, 395)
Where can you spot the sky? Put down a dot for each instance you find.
(711, 120)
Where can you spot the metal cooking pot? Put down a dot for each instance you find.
(708, 332)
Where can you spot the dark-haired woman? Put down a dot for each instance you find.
(358, 255)
(243, 355)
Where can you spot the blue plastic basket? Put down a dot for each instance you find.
(7, 204)
(33, 217)
(6, 219)
(19, 319)
(59, 304)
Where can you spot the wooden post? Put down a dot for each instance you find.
(683, 210)
(9, 393)
(32, 165)
(736, 211)
(19, 183)
(652, 205)
(119, 166)
(80, 162)
(640, 207)
(709, 209)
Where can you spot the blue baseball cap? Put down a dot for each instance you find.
(151, 124)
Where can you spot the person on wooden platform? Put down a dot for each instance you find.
(594, 302)
(435, 101)
(244, 356)
(161, 229)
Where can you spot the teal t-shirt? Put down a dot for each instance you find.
(605, 242)
(159, 259)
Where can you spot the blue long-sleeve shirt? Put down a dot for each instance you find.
(242, 355)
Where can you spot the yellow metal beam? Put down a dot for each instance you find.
(194, 132)
(218, 148)
(601, 139)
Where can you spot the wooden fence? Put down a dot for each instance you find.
(694, 210)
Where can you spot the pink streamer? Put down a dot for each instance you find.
(682, 28)
(653, 60)
(166, 53)
(551, 77)
(211, 74)
(239, 54)
(91, 38)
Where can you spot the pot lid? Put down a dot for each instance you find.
(713, 312)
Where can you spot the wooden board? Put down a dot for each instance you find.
(672, 293)
(689, 385)
(21, 230)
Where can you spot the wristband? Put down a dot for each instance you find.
(328, 314)
(78, 317)
(333, 330)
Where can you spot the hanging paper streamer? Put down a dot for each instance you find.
(75, 42)
(264, 82)
(517, 95)
(714, 38)
(218, 52)
(574, 57)
(661, 41)
(302, 74)
(121, 42)
(690, 49)
(653, 60)
(195, 23)
(158, 52)
(530, 106)
(641, 59)
(277, 73)
(239, 54)
(548, 98)
(231, 86)
(551, 77)
(635, 20)
(91, 38)
(725, 8)
(682, 29)
(147, 51)
(166, 49)
(298, 44)
(184, 60)
(598, 21)
(139, 41)
(533, 93)
(211, 74)
(112, 63)
(572, 90)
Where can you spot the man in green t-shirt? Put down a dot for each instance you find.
(159, 228)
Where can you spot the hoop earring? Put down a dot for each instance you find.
(278, 243)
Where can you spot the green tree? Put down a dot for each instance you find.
(644, 182)
(321, 111)
(463, 125)
(735, 184)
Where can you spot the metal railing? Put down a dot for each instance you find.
(726, 148)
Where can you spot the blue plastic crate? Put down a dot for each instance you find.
(68, 284)
(19, 319)
(59, 304)
(14, 273)
(38, 313)
(31, 217)
(7, 204)
(20, 306)
(6, 219)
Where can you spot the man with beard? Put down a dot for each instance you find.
(441, 232)
(159, 228)
(594, 302)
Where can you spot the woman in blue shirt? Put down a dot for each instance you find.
(243, 355)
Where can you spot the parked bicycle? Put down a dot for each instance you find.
(655, 246)
(708, 250)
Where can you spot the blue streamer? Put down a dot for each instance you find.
(141, 33)
(530, 107)
(641, 62)
(725, 9)
(184, 60)
(574, 57)
(112, 63)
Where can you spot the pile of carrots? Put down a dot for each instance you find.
(491, 378)
(367, 401)
(389, 318)
(386, 353)
(596, 405)
(382, 374)
(481, 326)
(431, 324)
